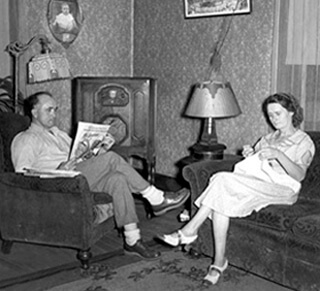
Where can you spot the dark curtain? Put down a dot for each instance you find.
(296, 51)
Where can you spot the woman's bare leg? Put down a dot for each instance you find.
(191, 228)
(220, 224)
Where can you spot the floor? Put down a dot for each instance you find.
(35, 267)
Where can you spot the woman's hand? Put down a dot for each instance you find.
(69, 165)
(269, 153)
(294, 170)
(247, 151)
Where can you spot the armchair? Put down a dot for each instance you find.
(57, 212)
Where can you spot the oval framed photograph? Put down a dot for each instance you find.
(65, 20)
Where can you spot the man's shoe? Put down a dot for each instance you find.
(172, 200)
(141, 250)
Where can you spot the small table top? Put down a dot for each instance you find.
(191, 159)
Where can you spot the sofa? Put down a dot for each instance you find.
(280, 243)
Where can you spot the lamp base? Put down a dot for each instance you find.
(203, 152)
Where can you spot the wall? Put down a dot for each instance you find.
(152, 38)
(103, 47)
(176, 51)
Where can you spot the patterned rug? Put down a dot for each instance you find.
(175, 271)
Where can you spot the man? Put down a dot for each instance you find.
(43, 146)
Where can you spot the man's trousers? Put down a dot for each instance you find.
(110, 173)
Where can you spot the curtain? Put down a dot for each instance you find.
(4, 38)
(9, 17)
(297, 55)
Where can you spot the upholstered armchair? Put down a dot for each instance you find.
(57, 212)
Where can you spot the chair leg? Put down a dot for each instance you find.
(84, 256)
(6, 246)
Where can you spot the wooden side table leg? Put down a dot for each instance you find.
(151, 168)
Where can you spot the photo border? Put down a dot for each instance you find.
(195, 10)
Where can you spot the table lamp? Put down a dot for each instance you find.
(211, 100)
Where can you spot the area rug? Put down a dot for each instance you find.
(174, 271)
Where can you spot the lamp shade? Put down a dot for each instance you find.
(213, 99)
(48, 66)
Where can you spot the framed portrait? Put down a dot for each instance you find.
(64, 20)
(206, 8)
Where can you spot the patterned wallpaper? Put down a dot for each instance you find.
(176, 51)
(103, 46)
(153, 39)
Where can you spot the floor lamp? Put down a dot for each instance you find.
(43, 67)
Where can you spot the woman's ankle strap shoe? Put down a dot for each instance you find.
(177, 238)
(213, 279)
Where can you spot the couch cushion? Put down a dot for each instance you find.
(1, 155)
(306, 231)
(311, 183)
(284, 217)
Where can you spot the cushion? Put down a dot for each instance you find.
(102, 212)
(284, 217)
(11, 124)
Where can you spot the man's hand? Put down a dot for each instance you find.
(69, 165)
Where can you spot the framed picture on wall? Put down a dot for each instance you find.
(65, 20)
(206, 8)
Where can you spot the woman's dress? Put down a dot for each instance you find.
(254, 183)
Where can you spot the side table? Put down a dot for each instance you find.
(191, 159)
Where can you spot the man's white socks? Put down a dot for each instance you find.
(132, 236)
(153, 195)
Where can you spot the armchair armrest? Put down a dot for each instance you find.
(59, 184)
(46, 210)
(199, 173)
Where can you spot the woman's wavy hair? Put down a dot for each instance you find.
(287, 101)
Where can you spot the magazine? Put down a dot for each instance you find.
(50, 173)
(90, 139)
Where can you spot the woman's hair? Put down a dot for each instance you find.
(287, 101)
(32, 101)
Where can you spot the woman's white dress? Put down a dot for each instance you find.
(255, 184)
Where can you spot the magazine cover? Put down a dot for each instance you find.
(90, 138)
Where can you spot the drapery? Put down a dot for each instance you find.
(4, 38)
(297, 55)
(9, 18)
(303, 33)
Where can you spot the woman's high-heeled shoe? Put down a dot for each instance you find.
(177, 238)
(213, 279)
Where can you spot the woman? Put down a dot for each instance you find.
(270, 174)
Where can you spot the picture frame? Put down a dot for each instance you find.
(210, 8)
(65, 20)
